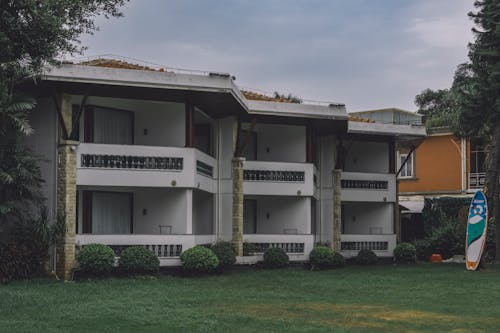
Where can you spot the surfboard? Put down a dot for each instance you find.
(477, 226)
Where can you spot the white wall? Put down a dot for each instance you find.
(43, 142)
(274, 214)
(366, 156)
(168, 207)
(280, 143)
(368, 218)
(203, 213)
(164, 121)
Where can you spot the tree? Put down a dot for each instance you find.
(33, 33)
(478, 95)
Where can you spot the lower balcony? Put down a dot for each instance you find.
(368, 187)
(382, 245)
(167, 247)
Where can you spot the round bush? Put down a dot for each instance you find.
(275, 257)
(139, 260)
(225, 253)
(405, 253)
(199, 259)
(338, 260)
(96, 259)
(366, 257)
(321, 257)
(423, 249)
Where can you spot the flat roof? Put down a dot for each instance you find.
(268, 108)
(386, 129)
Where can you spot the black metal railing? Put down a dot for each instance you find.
(131, 162)
(365, 184)
(204, 169)
(356, 246)
(287, 247)
(273, 176)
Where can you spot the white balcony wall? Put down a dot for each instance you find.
(366, 241)
(203, 213)
(187, 177)
(170, 208)
(282, 215)
(289, 188)
(280, 143)
(368, 218)
(155, 123)
(370, 195)
(366, 156)
(43, 142)
(308, 241)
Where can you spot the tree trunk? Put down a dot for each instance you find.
(494, 187)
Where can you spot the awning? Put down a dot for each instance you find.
(412, 206)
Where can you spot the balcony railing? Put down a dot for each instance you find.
(477, 180)
(167, 247)
(146, 166)
(297, 246)
(278, 178)
(382, 245)
(368, 187)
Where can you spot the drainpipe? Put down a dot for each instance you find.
(463, 160)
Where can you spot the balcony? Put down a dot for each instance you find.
(144, 166)
(167, 247)
(382, 245)
(477, 180)
(368, 187)
(278, 178)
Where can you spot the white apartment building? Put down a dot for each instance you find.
(143, 157)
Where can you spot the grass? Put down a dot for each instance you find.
(423, 298)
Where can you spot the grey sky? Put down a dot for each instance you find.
(365, 53)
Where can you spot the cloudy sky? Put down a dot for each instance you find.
(365, 53)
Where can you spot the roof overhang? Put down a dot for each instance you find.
(404, 135)
(215, 94)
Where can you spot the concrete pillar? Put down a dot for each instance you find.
(66, 207)
(189, 211)
(237, 217)
(337, 210)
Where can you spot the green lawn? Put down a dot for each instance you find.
(429, 298)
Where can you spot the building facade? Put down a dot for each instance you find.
(170, 160)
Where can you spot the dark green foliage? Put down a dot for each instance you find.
(249, 249)
(96, 259)
(405, 253)
(138, 260)
(448, 239)
(423, 249)
(437, 210)
(366, 257)
(321, 257)
(338, 260)
(225, 254)
(199, 259)
(17, 261)
(275, 257)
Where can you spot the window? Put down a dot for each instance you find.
(109, 126)
(107, 212)
(408, 169)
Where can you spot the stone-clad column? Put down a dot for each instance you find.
(66, 207)
(237, 215)
(337, 209)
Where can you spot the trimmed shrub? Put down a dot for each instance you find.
(405, 253)
(199, 259)
(139, 260)
(275, 257)
(338, 260)
(225, 253)
(366, 257)
(96, 259)
(423, 249)
(321, 257)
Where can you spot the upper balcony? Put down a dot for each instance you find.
(144, 166)
(278, 178)
(368, 187)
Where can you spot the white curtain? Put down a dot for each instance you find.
(113, 126)
(111, 213)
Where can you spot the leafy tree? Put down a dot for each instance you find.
(478, 95)
(290, 98)
(33, 33)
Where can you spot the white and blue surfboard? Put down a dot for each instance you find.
(477, 226)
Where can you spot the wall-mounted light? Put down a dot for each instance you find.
(145, 131)
(267, 216)
(144, 211)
